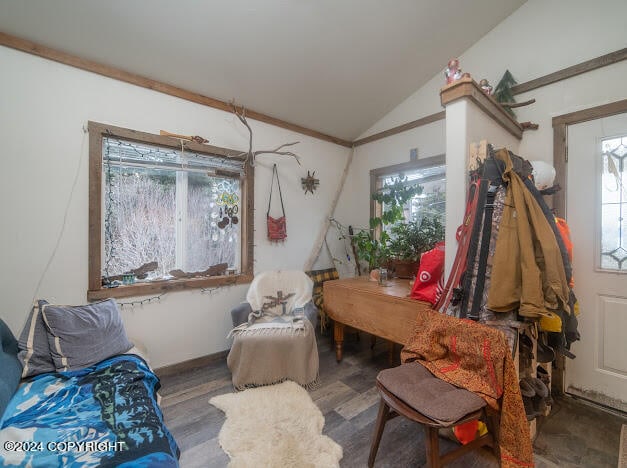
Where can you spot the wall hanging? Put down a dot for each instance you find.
(277, 228)
(310, 183)
(227, 201)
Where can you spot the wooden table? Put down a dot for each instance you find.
(383, 311)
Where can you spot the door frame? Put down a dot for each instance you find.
(560, 144)
(560, 163)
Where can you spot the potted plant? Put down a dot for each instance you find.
(375, 249)
(409, 240)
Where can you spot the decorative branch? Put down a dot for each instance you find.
(252, 155)
(140, 273)
(242, 118)
(518, 104)
(214, 270)
(529, 125)
(196, 138)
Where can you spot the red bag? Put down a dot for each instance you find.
(277, 227)
(277, 230)
(429, 281)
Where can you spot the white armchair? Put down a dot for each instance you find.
(274, 337)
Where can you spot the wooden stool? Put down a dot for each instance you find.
(410, 390)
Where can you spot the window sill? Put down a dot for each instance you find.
(158, 287)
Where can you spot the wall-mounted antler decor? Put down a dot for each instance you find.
(250, 154)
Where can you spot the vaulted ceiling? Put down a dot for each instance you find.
(335, 66)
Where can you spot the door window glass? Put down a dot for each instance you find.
(613, 255)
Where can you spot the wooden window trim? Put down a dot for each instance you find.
(375, 174)
(95, 290)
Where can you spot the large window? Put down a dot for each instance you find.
(165, 214)
(430, 173)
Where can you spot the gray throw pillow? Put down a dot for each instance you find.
(80, 336)
(10, 367)
(34, 351)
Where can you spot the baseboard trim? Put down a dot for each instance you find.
(611, 405)
(191, 364)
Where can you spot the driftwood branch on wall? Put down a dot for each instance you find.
(252, 155)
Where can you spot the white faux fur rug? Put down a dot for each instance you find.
(275, 426)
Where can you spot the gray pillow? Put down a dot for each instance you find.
(10, 367)
(34, 351)
(80, 336)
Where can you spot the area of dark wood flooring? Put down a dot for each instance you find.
(574, 435)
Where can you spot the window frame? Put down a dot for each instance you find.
(97, 131)
(377, 174)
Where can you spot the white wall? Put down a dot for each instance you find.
(541, 37)
(353, 207)
(466, 123)
(44, 108)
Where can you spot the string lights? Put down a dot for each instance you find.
(148, 300)
(229, 281)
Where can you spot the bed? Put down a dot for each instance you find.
(105, 414)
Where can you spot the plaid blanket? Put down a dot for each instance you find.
(319, 277)
(477, 358)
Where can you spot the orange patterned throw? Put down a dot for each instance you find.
(477, 358)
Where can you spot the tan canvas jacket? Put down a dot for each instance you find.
(527, 272)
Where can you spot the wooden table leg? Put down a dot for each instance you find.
(338, 336)
(391, 353)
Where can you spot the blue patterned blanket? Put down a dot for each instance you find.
(104, 415)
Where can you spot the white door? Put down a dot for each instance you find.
(596, 211)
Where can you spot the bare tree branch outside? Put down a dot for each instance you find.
(142, 224)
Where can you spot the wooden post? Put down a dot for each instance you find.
(327, 220)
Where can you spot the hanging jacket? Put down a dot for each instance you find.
(550, 217)
(528, 271)
(564, 231)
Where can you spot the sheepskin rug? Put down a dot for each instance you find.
(275, 426)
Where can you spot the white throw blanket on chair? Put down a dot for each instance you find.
(277, 299)
(278, 343)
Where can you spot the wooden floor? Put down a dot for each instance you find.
(575, 434)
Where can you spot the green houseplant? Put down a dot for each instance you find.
(400, 242)
(409, 240)
(373, 249)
